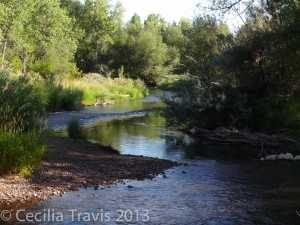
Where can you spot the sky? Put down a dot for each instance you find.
(170, 10)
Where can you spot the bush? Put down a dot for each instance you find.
(21, 152)
(21, 106)
(276, 113)
(22, 109)
(63, 99)
(74, 129)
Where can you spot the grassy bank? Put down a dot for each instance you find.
(97, 89)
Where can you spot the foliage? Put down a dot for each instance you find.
(21, 106)
(74, 129)
(37, 35)
(247, 81)
(98, 89)
(21, 124)
(277, 114)
(21, 152)
(60, 98)
(98, 20)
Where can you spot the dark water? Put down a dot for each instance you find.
(206, 191)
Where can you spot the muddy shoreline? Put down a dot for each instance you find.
(73, 164)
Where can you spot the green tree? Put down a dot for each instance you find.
(206, 40)
(38, 35)
(99, 21)
(148, 55)
(155, 22)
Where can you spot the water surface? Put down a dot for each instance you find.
(208, 190)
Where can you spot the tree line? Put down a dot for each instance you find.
(68, 37)
(251, 81)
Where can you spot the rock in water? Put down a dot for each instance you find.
(281, 156)
(288, 156)
(193, 131)
(297, 157)
(271, 157)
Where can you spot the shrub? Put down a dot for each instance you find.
(22, 109)
(276, 113)
(21, 152)
(63, 99)
(21, 106)
(74, 129)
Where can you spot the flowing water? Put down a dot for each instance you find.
(208, 190)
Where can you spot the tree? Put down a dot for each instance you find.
(148, 55)
(207, 38)
(155, 22)
(134, 26)
(99, 22)
(39, 35)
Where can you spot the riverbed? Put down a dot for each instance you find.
(206, 189)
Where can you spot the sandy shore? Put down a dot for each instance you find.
(70, 165)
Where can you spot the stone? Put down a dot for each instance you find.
(288, 156)
(271, 157)
(297, 157)
(281, 156)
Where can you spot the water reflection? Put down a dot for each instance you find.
(145, 135)
(89, 115)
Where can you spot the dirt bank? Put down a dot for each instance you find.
(70, 165)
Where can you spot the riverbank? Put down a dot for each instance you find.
(70, 165)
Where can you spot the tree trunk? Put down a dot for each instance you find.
(24, 59)
(96, 51)
(4, 49)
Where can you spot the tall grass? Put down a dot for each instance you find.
(74, 129)
(22, 111)
(62, 99)
(96, 88)
(20, 152)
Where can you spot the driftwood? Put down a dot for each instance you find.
(233, 136)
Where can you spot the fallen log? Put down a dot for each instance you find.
(234, 136)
